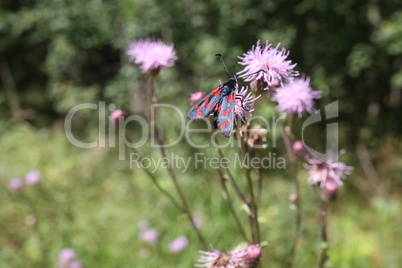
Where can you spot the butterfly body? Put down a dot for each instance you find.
(221, 104)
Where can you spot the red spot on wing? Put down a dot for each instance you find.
(199, 114)
(206, 99)
(216, 91)
(217, 108)
(231, 98)
(198, 108)
(224, 124)
(208, 105)
(226, 112)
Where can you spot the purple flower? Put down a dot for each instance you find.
(252, 257)
(15, 185)
(244, 103)
(299, 149)
(196, 97)
(178, 244)
(66, 256)
(238, 258)
(151, 55)
(320, 172)
(116, 115)
(67, 259)
(32, 177)
(150, 236)
(217, 259)
(328, 192)
(75, 264)
(296, 97)
(271, 60)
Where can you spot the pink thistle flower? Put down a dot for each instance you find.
(15, 185)
(178, 244)
(151, 55)
(252, 256)
(75, 264)
(196, 97)
(217, 259)
(66, 256)
(116, 115)
(320, 172)
(32, 177)
(271, 60)
(296, 97)
(299, 149)
(150, 236)
(244, 103)
(293, 198)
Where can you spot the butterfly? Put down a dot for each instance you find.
(221, 103)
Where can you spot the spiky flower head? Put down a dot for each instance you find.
(273, 63)
(151, 55)
(320, 172)
(238, 258)
(217, 259)
(244, 103)
(296, 97)
(252, 257)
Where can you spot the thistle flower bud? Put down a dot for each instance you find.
(252, 257)
(299, 149)
(115, 116)
(196, 97)
(328, 192)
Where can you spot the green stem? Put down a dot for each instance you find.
(231, 208)
(287, 137)
(159, 138)
(253, 217)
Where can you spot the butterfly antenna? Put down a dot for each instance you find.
(244, 75)
(224, 66)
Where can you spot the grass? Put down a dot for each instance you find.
(90, 201)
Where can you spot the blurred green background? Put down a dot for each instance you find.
(56, 54)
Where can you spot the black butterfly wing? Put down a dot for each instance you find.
(205, 106)
(225, 117)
